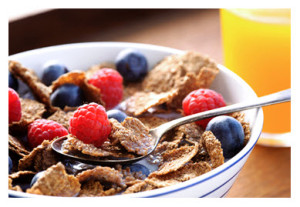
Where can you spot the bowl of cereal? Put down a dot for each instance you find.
(131, 88)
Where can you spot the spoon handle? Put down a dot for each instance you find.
(279, 97)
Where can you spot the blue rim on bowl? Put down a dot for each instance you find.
(229, 170)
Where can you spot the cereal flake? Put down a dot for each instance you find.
(187, 172)
(61, 117)
(17, 146)
(213, 147)
(133, 136)
(28, 76)
(40, 158)
(175, 159)
(56, 182)
(140, 102)
(103, 174)
(140, 186)
(31, 110)
(74, 145)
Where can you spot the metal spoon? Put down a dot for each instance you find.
(158, 132)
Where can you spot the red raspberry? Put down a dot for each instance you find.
(43, 129)
(110, 83)
(90, 124)
(14, 106)
(202, 100)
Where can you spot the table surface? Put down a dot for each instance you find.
(267, 170)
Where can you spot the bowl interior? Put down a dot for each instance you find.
(83, 55)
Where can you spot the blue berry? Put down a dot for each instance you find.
(52, 72)
(139, 168)
(36, 177)
(28, 95)
(132, 65)
(229, 132)
(116, 114)
(13, 82)
(10, 165)
(67, 95)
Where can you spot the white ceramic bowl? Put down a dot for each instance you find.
(215, 183)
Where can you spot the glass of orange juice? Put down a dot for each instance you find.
(257, 47)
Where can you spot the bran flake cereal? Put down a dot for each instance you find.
(61, 117)
(73, 144)
(213, 147)
(133, 136)
(187, 172)
(31, 110)
(183, 153)
(104, 174)
(175, 159)
(56, 182)
(40, 158)
(28, 76)
(17, 146)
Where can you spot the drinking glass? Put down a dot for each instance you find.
(257, 46)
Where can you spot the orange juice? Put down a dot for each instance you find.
(257, 46)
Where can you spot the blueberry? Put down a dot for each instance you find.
(24, 138)
(229, 132)
(13, 82)
(132, 65)
(139, 168)
(28, 95)
(10, 165)
(36, 177)
(52, 72)
(67, 95)
(116, 114)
